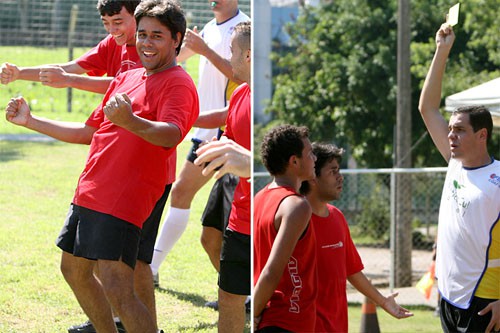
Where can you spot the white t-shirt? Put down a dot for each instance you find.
(212, 83)
(468, 216)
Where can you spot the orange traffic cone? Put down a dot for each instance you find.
(369, 320)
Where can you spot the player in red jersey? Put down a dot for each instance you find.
(337, 257)
(284, 243)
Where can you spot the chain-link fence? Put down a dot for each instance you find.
(46, 22)
(396, 248)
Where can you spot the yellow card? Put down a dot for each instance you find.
(452, 18)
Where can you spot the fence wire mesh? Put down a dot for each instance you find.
(366, 203)
(46, 22)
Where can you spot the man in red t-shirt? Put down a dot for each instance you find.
(337, 257)
(144, 115)
(114, 55)
(284, 244)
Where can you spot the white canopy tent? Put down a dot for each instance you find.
(487, 94)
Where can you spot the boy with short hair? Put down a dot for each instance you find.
(284, 243)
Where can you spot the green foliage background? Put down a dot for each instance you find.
(340, 78)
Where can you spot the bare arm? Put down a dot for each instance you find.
(430, 98)
(212, 118)
(194, 42)
(223, 65)
(10, 72)
(364, 286)
(118, 109)
(292, 217)
(56, 76)
(18, 113)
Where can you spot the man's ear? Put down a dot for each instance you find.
(178, 36)
(483, 134)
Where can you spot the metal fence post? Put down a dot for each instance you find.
(71, 34)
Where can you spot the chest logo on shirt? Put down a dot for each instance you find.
(494, 179)
(460, 200)
(333, 246)
(457, 186)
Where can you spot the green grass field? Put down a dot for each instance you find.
(423, 321)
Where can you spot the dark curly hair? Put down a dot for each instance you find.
(280, 144)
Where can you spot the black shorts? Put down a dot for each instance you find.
(454, 319)
(234, 275)
(220, 200)
(150, 228)
(93, 235)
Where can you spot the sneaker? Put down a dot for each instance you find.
(87, 327)
(156, 280)
(213, 305)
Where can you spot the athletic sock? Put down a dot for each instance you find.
(173, 227)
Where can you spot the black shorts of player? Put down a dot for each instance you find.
(220, 200)
(93, 235)
(272, 329)
(150, 228)
(234, 275)
(191, 156)
(454, 319)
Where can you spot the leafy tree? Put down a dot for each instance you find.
(340, 79)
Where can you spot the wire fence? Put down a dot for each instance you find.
(370, 203)
(46, 23)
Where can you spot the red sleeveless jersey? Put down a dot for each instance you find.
(293, 304)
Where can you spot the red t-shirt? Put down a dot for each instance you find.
(112, 59)
(337, 259)
(125, 175)
(293, 304)
(238, 126)
(109, 58)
